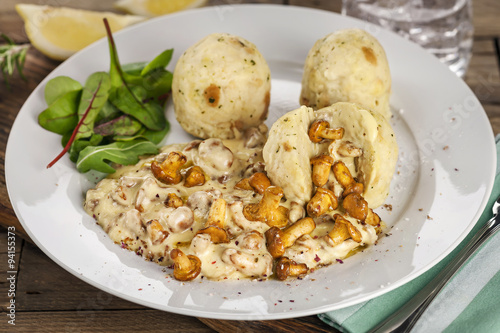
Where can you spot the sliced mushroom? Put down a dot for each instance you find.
(179, 219)
(249, 264)
(268, 210)
(252, 240)
(297, 211)
(186, 267)
(348, 149)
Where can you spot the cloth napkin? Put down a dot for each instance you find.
(470, 302)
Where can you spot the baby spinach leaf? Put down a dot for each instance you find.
(154, 136)
(61, 115)
(79, 145)
(123, 125)
(75, 132)
(107, 113)
(134, 68)
(58, 87)
(149, 114)
(123, 152)
(160, 62)
(157, 83)
(94, 96)
(130, 99)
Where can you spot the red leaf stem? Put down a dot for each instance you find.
(75, 131)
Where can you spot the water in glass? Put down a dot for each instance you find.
(443, 27)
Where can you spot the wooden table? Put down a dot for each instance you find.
(50, 299)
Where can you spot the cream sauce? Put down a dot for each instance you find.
(124, 204)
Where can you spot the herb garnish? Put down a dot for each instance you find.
(12, 56)
(115, 117)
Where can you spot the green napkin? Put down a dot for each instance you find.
(468, 303)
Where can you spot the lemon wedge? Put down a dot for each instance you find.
(153, 8)
(59, 32)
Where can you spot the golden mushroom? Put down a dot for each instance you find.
(278, 240)
(268, 210)
(286, 267)
(342, 230)
(320, 130)
(214, 226)
(168, 171)
(323, 200)
(194, 177)
(186, 267)
(321, 165)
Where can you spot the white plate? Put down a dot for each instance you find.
(444, 177)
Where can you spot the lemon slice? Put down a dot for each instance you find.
(153, 8)
(59, 32)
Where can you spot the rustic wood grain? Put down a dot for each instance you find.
(107, 321)
(48, 297)
(303, 325)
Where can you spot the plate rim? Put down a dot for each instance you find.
(205, 314)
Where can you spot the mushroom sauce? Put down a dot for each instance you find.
(143, 214)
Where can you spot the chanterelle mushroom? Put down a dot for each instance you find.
(186, 267)
(286, 268)
(321, 165)
(320, 130)
(168, 171)
(215, 223)
(323, 201)
(194, 177)
(268, 210)
(342, 230)
(345, 179)
(257, 182)
(278, 240)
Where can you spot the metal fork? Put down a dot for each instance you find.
(405, 318)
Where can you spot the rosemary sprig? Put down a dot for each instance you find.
(12, 56)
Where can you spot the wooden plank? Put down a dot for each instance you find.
(485, 14)
(483, 77)
(302, 325)
(107, 321)
(493, 112)
(43, 285)
(10, 249)
(330, 5)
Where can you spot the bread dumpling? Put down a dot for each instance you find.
(368, 148)
(349, 65)
(221, 86)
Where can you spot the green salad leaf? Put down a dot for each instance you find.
(115, 117)
(61, 115)
(123, 152)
